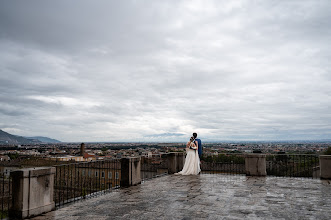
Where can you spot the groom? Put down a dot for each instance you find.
(199, 144)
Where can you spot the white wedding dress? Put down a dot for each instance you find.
(192, 163)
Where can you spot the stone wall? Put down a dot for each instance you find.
(255, 165)
(325, 166)
(33, 194)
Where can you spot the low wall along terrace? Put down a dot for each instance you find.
(37, 189)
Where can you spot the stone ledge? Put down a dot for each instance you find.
(34, 172)
(325, 157)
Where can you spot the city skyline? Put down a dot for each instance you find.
(157, 71)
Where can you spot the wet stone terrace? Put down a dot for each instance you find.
(208, 196)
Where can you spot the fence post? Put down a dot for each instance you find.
(180, 161)
(325, 166)
(255, 165)
(172, 162)
(130, 171)
(33, 190)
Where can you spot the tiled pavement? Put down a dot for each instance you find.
(208, 196)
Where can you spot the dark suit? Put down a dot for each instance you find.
(199, 147)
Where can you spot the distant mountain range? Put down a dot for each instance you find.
(44, 139)
(6, 138)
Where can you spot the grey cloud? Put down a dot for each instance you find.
(126, 70)
(165, 135)
(9, 112)
(67, 25)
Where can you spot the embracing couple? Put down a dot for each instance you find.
(193, 154)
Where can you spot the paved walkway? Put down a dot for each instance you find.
(208, 196)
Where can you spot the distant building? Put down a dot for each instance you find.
(86, 157)
(109, 173)
(6, 170)
(89, 157)
(4, 158)
(82, 149)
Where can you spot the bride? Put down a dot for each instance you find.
(192, 161)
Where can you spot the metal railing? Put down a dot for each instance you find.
(293, 165)
(153, 166)
(85, 179)
(223, 163)
(5, 194)
(82, 180)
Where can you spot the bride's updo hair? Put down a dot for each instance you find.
(192, 139)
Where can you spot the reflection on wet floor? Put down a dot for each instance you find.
(208, 196)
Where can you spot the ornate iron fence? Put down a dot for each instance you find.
(223, 163)
(153, 166)
(5, 194)
(81, 180)
(293, 165)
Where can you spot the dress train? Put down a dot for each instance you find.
(192, 163)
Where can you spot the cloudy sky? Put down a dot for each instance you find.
(149, 70)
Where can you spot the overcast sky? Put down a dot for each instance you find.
(160, 70)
